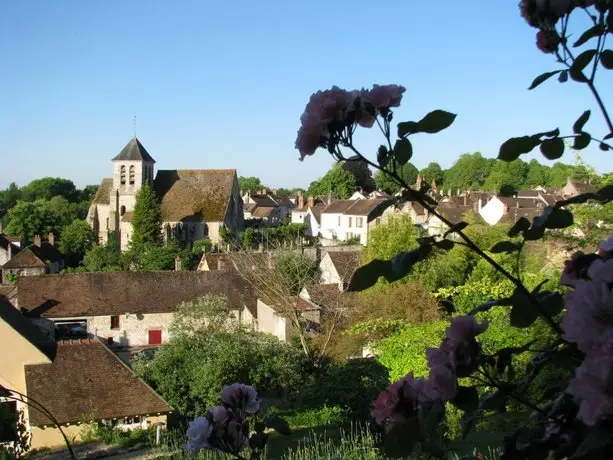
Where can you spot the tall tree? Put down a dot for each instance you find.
(469, 171)
(146, 220)
(432, 171)
(27, 219)
(507, 178)
(250, 183)
(75, 240)
(9, 198)
(337, 180)
(538, 174)
(48, 187)
(87, 193)
(408, 172)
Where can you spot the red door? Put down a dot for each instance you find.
(155, 337)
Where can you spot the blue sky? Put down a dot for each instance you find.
(222, 84)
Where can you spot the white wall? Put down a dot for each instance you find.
(132, 331)
(331, 229)
(271, 322)
(329, 275)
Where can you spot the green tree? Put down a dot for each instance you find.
(507, 178)
(469, 171)
(559, 174)
(48, 187)
(9, 198)
(396, 235)
(146, 220)
(337, 180)
(250, 183)
(538, 174)
(407, 172)
(433, 171)
(63, 212)
(248, 238)
(290, 191)
(103, 258)
(27, 219)
(87, 193)
(151, 257)
(75, 240)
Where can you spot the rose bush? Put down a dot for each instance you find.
(572, 416)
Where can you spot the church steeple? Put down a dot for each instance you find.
(134, 151)
(133, 167)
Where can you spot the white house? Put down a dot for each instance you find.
(309, 213)
(346, 220)
(336, 267)
(125, 309)
(271, 319)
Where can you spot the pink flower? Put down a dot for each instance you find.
(544, 13)
(459, 349)
(441, 384)
(383, 97)
(241, 397)
(547, 41)
(400, 400)
(588, 321)
(593, 387)
(601, 270)
(606, 248)
(220, 414)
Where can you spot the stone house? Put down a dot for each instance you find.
(271, 318)
(125, 309)
(87, 382)
(7, 250)
(575, 187)
(336, 267)
(195, 203)
(39, 258)
(345, 220)
(266, 207)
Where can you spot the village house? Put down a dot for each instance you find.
(266, 207)
(126, 310)
(575, 187)
(39, 258)
(347, 220)
(309, 213)
(195, 203)
(273, 318)
(336, 267)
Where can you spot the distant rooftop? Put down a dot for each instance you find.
(134, 151)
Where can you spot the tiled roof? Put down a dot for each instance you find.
(84, 378)
(34, 256)
(116, 293)
(345, 262)
(453, 213)
(24, 327)
(103, 194)
(262, 212)
(134, 151)
(264, 200)
(201, 193)
(213, 260)
(5, 242)
(249, 207)
(364, 207)
(583, 187)
(528, 194)
(9, 291)
(329, 295)
(338, 206)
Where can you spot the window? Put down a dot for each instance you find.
(350, 218)
(132, 175)
(205, 230)
(122, 210)
(8, 421)
(359, 222)
(122, 174)
(115, 322)
(155, 336)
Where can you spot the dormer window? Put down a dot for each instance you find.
(132, 175)
(122, 173)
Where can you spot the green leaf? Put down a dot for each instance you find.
(551, 302)
(604, 147)
(466, 399)
(432, 123)
(552, 133)
(278, 424)
(559, 218)
(430, 415)
(590, 33)
(552, 149)
(383, 156)
(405, 128)
(523, 312)
(403, 151)
(521, 225)
(512, 148)
(581, 62)
(563, 78)
(488, 306)
(593, 444)
(504, 246)
(399, 441)
(494, 401)
(367, 275)
(581, 141)
(577, 199)
(534, 233)
(606, 193)
(606, 59)
(403, 262)
(581, 121)
(542, 78)
(445, 245)
(456, 228)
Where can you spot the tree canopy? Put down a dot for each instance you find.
(408, 172)
(337, 180)
(146, 220)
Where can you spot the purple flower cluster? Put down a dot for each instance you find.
(333, 109)
(456, 357)
(588, 322)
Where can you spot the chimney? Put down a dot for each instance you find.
(300, 200)
(311, 201)
(51, 238)
(178, 264)
(329, 196)
(9, 251)
(37, 240)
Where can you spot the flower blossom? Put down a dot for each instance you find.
(547, 41)
(593, 387)
(219, 414)
(588, 321)
(242, 397)
(400, 400)
(606, 248)
(198, 435)
(459, 349)
(543, 14)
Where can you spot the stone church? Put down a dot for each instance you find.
(196, 203)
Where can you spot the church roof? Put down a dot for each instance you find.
(103, 194)
(191, 193)
(134, 151)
